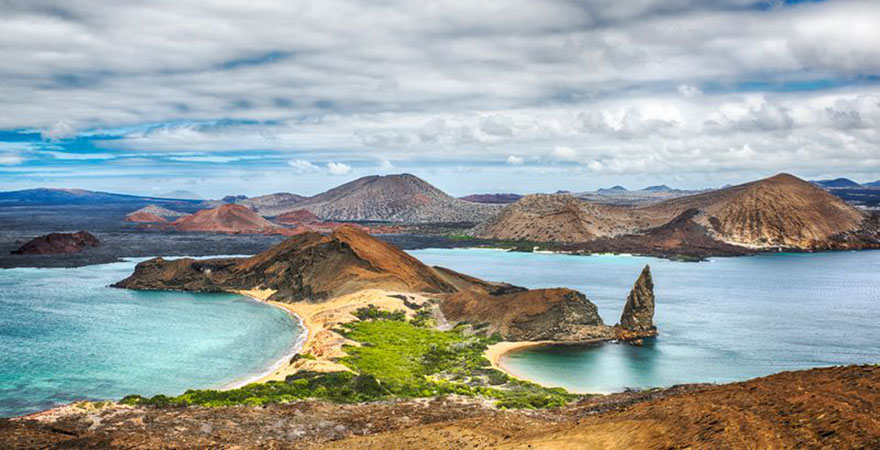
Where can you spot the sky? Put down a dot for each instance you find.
(223, 97)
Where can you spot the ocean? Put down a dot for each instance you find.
(65, 335)
(722, 320)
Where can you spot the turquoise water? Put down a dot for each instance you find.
(724, 320)
(65, 335)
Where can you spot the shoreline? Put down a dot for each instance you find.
(495, 352)
(296, 349)
(321, 345)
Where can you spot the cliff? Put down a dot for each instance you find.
(315, 268)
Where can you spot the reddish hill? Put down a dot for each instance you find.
(297, 217)
(144, 217)
(58, 243)
(230, 218)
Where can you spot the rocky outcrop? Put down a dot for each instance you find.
(313, 267)
(58, 243)
(638, 312)
(528, 315)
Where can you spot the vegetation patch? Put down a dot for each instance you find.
(396, 359)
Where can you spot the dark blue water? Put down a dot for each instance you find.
(724, 320)
(65, 335)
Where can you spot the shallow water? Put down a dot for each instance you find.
(723, 320)
(65, 335)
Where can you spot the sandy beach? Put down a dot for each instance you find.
(322, 346)
(496, 351)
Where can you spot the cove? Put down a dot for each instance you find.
(65, 336)
(722, 320)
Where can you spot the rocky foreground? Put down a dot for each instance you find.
(818, 408)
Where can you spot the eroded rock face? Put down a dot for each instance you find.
(312, 267)
(638, 313)
(58, 243)
(529, 315)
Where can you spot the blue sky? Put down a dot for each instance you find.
(223, 97)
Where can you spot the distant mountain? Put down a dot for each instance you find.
(234, 198)
(780, 211)
(617, 188)
(50, 197)
(872, 184)
(273, 204)
(837, 183)
(401, 198)
(496, 199)
(182, 194)
(658, 188)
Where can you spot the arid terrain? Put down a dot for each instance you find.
(818, 408)
(780, 212)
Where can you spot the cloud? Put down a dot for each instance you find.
(689, 91)
(651, 87)
(564, 153)
(59, 130)
(302, 166)
(334, 168)
(10, 159)
(515, 160)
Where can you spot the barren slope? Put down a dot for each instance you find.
(394, 198)
(230, 218)
(780, 211)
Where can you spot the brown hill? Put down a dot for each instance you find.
(401, 198)
(314, 267)
(297, 217)
(144, 217)
(780, 211)
(554, 218)
(229, 218)
(777, 212)
(58, 243)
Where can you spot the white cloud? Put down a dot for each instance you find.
(302, 166)
(515, 160)
(59, 130)
(452, 83)
(564, 153)
(334, 168)
(10, 159)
